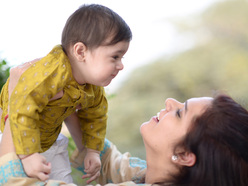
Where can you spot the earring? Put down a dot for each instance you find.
(174, 157)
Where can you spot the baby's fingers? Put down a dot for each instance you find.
(86, 165)
(47, 168)
(92, 178)
(43, 176)
(93, 168)
(44, 172)
(86, 176)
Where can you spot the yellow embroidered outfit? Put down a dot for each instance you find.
(36, 120)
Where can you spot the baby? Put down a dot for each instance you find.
(64, 85)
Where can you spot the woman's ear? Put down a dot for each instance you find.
(186, 159)
(79, 50)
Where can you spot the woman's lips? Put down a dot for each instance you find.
(155, 118)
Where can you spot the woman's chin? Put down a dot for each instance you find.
(143, 126)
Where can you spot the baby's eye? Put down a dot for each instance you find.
(115, 57)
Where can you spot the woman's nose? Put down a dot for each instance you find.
(171, 104)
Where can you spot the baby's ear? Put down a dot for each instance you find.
(186, 159)
(79, 50)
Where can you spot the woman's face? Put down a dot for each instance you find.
(171, 124)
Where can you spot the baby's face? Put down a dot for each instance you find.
(103, 63)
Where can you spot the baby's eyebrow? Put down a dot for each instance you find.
(120, 51)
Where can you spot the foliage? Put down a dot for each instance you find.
(4, 72)
(216, 63)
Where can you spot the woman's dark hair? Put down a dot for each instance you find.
(92, 25)
(219, 139)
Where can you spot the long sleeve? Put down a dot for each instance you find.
(93, 119)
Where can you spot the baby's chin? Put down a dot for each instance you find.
(106, 83)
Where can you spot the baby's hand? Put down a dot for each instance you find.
(36, 166)
(92, 164)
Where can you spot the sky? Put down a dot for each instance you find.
(29, 29)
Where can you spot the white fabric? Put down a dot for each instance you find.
(57, 154)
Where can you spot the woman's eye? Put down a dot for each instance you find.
(178, 113)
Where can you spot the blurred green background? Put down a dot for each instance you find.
(217, 60)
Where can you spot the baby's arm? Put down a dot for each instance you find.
(92, 164)
(73, 125)
(92, 160)
(36, 166)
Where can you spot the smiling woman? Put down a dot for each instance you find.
(190, 145)
(192, 138)
(161, 135)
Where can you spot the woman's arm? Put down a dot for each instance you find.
(6, 145)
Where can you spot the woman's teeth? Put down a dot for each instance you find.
(158, 115)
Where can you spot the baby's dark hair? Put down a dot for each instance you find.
(92, 25)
